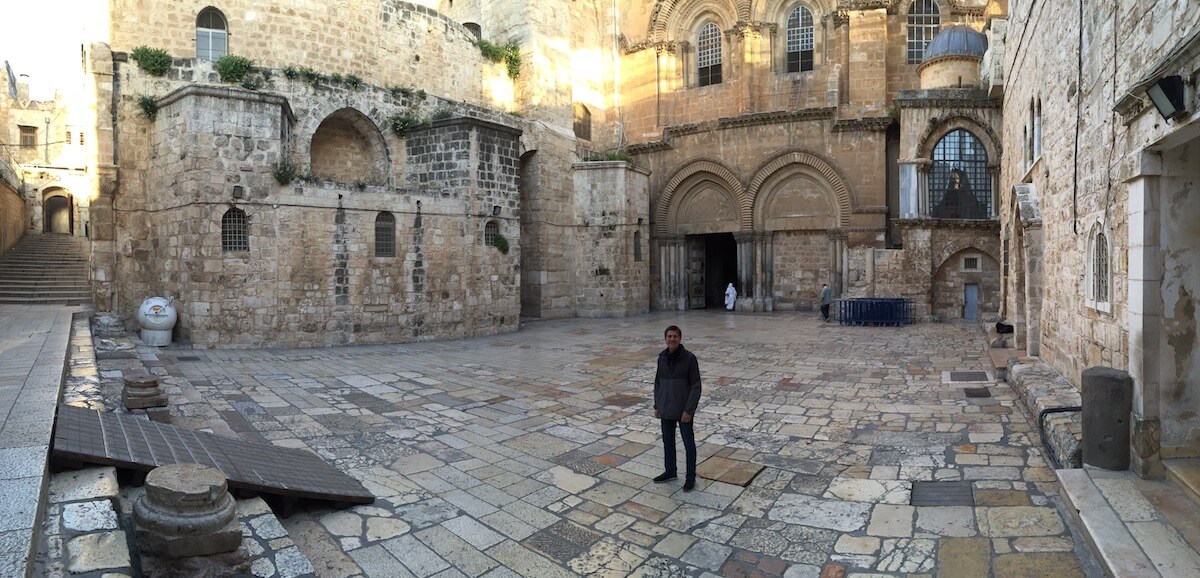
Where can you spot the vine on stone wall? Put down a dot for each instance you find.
(285, 172)
(404, 122)
(155, 61)
(509, 53)
(149, 106)
(501, 243)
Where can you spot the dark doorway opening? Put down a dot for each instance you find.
(720, 264)
(59, 218)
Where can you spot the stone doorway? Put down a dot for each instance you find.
(58, 215)
(712, 266)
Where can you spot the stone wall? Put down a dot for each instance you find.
(802, 265)
(12, 215)
(611, 212)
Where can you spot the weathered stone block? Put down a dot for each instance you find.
(186, 511)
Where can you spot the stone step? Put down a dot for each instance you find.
(46, 301)
(1115, 549)
(1185, 473)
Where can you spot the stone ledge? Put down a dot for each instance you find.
(1040, 387)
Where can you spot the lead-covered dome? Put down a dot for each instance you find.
(957, 40)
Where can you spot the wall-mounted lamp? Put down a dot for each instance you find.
(1167, 96)
(238, 191)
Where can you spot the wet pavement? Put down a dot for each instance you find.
(828, 450)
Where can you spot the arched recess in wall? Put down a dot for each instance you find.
(947, 252)
(778, 10)
(705, 206)
(532, 260)
(966, 266)
(982, 131)
(798, 164)
(684, 180)
(686, 16)
(58, 211)
(348, 147)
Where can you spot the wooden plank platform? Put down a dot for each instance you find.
(124, 441)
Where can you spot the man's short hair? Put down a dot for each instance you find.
(674, 328)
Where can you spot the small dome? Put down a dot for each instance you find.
(957, 40)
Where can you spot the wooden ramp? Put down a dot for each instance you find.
(106, 438)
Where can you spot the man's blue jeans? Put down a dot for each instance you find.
(689, 446)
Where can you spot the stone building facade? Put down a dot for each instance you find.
(778, 146)
(1099, 204)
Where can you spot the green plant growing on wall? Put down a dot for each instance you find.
(501, 243)
(252, 83)
(155, 61)
(290, 72)
(616, 155)
(149, 106)
(443, 114)
(421, 94)
(360, 185)
(404, 122)
(285, 172)
(335, 78)
(311, 76)
(509, 53)
(233, 68)
(353, 81)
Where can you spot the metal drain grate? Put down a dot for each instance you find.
(968, 376)
(942, 494)
(187, 358)
(977, 392)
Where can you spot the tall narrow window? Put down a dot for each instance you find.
(385, 235)
(583, 122)
(490, 231)
(708, 54)
(212, 35)
(960, 185)
(1099, 292)
(800, 40)
(28, 136)
(924, 22)
(235, 231)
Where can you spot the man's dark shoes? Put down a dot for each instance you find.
(689, 485)
(664, 477)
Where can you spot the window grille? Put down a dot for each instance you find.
(1100, 268)
(490, 231)
(385, 235)
(800, 40)
(28, 136)
(708, 54)
(212, 36)
(924, 23)
(235, 231)
(970, 263)
(960, 184)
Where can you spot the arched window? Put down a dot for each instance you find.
(960, 185)
(474, 29)
(583, 122)
(708, 54)
(490, 231)
(235, 231)
(212, 35)
(1099, 274)
(924, 23)
(385, 235)
(637, 245)
(800, 40)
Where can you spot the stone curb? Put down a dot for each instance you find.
(1040, 387)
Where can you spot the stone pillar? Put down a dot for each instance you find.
(1145, 316)
(1034, 286)
(768, 283)
(837, 261)
(187, 512)
(745, 260)
(909, 191)
(1107, 401)
(142, 391)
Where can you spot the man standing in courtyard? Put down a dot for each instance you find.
(676, 395)
(825, 301)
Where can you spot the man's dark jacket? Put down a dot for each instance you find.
(677, 383)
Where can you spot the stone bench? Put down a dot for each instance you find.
(1040, 387)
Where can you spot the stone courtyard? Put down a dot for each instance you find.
(531, 453)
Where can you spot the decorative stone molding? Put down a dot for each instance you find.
(841, 190)
(981, 224)
(663, 211)
(872, 123)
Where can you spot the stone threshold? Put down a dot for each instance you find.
(1185, 472)
(1135, 528)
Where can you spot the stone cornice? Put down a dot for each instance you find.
(890, 5)
(649, 147)
(229, 93)
(870, 123)
(745, 120)
(880, 210)
(946, 98)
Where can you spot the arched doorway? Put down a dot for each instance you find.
(58, 212)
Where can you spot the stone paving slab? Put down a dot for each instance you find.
(531, 453)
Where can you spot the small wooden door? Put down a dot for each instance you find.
(971, 301)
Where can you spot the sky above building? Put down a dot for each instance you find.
(43, 39)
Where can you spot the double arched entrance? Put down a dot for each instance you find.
(777, 236)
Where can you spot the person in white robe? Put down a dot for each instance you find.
(730, 297)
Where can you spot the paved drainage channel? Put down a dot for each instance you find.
(977, 392)
(942, 494)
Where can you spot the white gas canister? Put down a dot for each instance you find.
(157, 318)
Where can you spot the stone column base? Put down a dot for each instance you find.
(1145, 458)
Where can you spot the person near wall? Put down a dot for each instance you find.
(730, 297)
(676, 396)
(825, 301)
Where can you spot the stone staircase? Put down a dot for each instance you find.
(46, 269)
